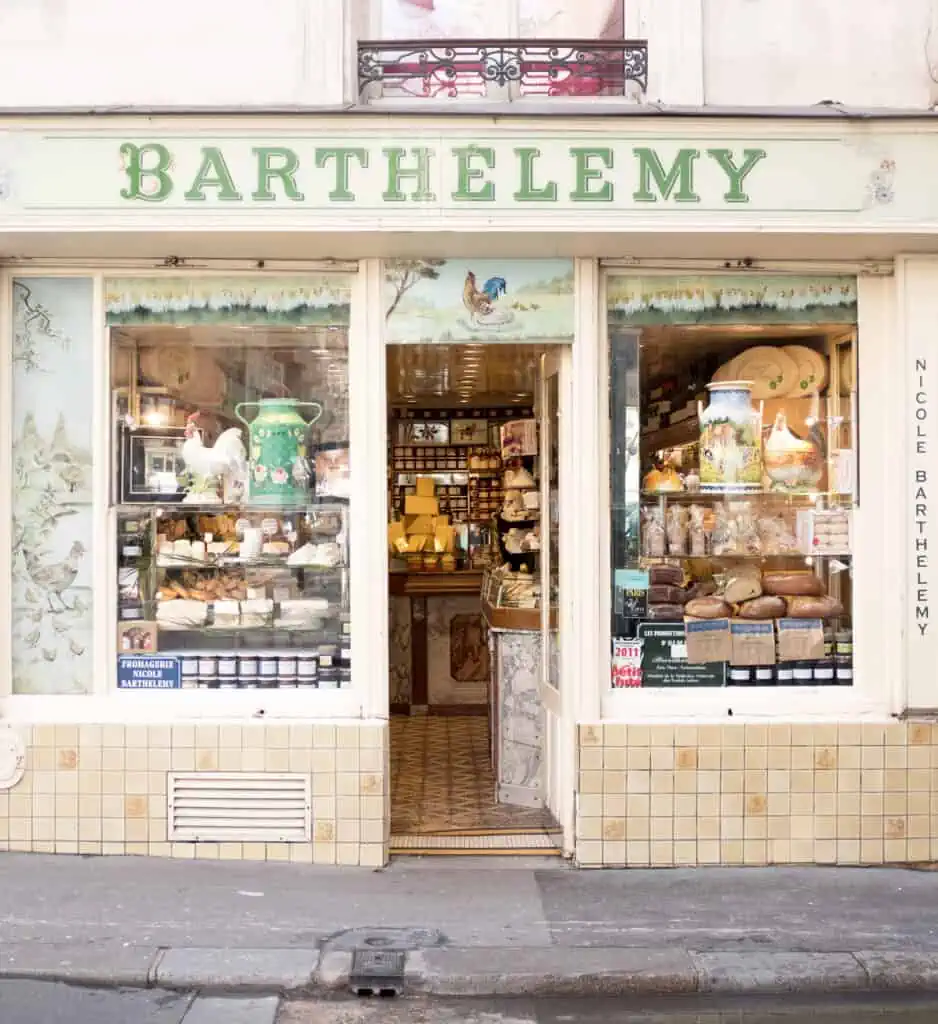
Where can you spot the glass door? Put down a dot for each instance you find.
(549, 459)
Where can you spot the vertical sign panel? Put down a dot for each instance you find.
(920, 307)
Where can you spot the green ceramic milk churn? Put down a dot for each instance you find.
(278, 470)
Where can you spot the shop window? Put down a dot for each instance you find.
(53, 552)
(230, 436)
(733, 476)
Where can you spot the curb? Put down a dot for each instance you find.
(480, 971)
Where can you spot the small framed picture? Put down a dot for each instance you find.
(470, 432)
(151, 464)
(427, 432)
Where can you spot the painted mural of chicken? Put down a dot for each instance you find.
(55, 579)
(480, 303)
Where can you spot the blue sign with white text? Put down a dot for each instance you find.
(148, 672)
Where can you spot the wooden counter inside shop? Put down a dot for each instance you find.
(425, 583)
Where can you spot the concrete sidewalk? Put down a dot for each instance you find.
(466, 927)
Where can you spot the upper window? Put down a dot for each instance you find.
(733, 454)
(506, 51)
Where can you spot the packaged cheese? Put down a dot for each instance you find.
(426, 488)
(416, 505)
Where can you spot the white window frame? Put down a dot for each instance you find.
(877, 692)
(105, 703)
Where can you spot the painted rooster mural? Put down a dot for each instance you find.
(481, 302)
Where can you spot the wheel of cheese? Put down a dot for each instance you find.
(812, 370)
(772, 371)
(725, 372)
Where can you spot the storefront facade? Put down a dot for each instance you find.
(109, 229)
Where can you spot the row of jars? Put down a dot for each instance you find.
(327, 667)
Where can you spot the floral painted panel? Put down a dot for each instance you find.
(456, 301)
(307, 299)
(53, 390)
(731, 298)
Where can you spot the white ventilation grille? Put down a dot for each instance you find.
(222, 807)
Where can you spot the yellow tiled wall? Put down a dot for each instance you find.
(664, 795)
(102, 788)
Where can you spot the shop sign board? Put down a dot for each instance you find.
(664, 658)
(148, 672)
(455, 171)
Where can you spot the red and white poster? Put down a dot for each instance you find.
(626, 663)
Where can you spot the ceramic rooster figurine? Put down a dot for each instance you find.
(480, 303)
(227, 457)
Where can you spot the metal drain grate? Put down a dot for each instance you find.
(377, 973)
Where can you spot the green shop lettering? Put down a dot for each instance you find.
(625, 174)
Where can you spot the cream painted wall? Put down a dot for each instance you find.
(861, 53)
(94, 53)
(101, 53)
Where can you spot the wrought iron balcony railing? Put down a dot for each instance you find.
(500, 69)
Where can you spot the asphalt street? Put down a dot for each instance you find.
(29, 1002)
(603, 1011)
(32, 1002)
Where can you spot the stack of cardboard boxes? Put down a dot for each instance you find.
(423, 533)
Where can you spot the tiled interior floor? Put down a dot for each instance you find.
(442, 779)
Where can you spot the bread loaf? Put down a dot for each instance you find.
(702, 588)
(666, 575)
(814, 607)
(666, 612)
(765, 607)
(666, 595)
(742, 584)
(792, 584)
(708, 608)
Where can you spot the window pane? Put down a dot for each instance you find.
(232, 477)
(53, 552)
(732, 410)
(572, 19)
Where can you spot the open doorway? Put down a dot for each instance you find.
(473, 478)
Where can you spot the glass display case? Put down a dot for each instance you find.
(239, 598)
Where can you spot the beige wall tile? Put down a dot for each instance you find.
(639, 828)
(778, 758)
(897, 758)
(685, 736)
(663, 783)
(184, 736)
(919, 734)
(637, 758)
(848, 851)
(613, 758)
(803, 758)
(779, 735)
(779, 851)
(849, 734)
(591, 736)
(661, 806)
(685, 829)
(732, 805)
(825, 827)
(825, 758)
(919, 757)
(848, 781)
(871, 804)
(637, 805)
(591, 759)
(919, 850)
(733, 735)
(662, 854)
(589, 852)
(661, 736)
(638, 852)
(628, 736)
(871, 851)
(685, 853)
(873, 735)
(112, 759)
(755, 851)
(733, 758)
(802, 851)
(756, 758)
